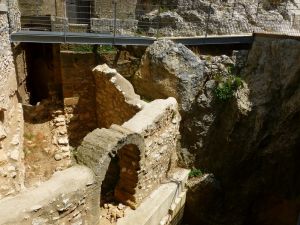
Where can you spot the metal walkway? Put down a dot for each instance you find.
(106, 22)
(108, 39)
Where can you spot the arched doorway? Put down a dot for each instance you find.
(118, 188)
(121, 178)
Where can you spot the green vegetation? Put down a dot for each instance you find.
(227, 85)
(226, 88)
(195, 173)
(163, 9)
(90, 48)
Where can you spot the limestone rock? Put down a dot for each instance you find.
(190, 17)
(202, 199)
(170, 70)
(3, 133)
(250, 143)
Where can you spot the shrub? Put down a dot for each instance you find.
(226, 88)
(195, 173)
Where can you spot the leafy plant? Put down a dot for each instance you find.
(163, 9)
(90, 48)
(226, 88)
(195, 173)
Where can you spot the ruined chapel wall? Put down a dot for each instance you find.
(11, 118)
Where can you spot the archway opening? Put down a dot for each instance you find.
(118, 188)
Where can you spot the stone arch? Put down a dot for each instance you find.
(102, 145)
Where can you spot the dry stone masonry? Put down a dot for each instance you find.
(116, 101)
(69, 197)
(146, 150)
(11, 117)
(145, 145)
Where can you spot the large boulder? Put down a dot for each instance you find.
(170, 70)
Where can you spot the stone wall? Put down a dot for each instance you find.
(116, 101)
(11, 119)
(21, 71)
(105, 9)
(78, 94)
(41, 7)
(69, 197)
(146, 148)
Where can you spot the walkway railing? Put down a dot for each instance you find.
(161, 20)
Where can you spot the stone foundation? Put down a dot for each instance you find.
(69, 197)
(11, 119)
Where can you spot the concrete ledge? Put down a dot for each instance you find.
(55, 201)
(160, 202)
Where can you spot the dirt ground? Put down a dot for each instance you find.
(39, 149)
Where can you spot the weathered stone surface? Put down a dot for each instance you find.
(125, 8)
(69, 197)
(146, 148)
(164, 202)
(116, 101)
(11, 116)
(199, 17)
(79, 94)
(43, 7)
(170, 69)
(202, 200)
(251, 150)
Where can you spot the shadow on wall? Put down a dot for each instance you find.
(121, 178)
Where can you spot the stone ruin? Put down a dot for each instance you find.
(131, 151)
(145, 148)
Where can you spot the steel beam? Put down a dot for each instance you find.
(110, 39)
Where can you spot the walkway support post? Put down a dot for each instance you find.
(208, 20)
(115, 20)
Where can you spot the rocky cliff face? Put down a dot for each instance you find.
(253, 152)
(198, 17)
(249, 142)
